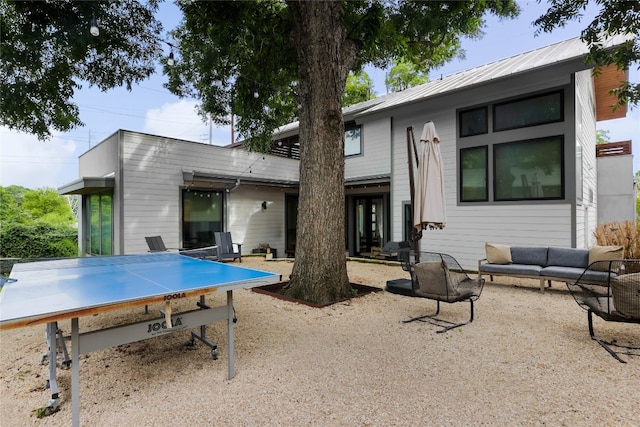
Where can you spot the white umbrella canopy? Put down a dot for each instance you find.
(429, 201)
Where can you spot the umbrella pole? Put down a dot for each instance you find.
(416, 234)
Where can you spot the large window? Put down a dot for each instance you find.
(201, 217)
(98, 220)
(531, 169)
(474, 174)
(532, 111)
(352, 140)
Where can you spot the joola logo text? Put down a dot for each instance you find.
(157, 326)
(175, 296)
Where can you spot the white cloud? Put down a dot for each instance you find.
(28, 162)
(180, 120)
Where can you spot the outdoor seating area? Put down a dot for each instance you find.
(526, 359)
(546, 263)
(156, 244)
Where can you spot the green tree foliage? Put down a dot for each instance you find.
(359, 89)
(405, 74)
(47, 51)
(602, 136)
(616, 17)
(35, 224)
(46, 205)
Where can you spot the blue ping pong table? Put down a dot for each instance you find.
(50, 291)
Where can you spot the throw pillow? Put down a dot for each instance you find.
(605, 253)
(498, 254)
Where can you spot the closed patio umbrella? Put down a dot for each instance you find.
(428, 207)
(427, 189)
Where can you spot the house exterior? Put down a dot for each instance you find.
(517, 138)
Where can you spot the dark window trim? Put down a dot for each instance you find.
(518, 199)
(348, 127)
(486, 121)
(513, 101)
(486, 172)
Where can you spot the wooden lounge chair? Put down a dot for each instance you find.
(438, 277)
(226, 248)
(617, 300)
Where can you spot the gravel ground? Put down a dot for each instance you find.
(527, 359)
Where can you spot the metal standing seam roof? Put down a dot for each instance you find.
(566, 51)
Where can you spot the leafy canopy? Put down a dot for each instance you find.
(239, 57)
(616, 17)
(359, 89)
(405, 74)
(48, 53)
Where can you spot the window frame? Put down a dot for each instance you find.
(486, 174)
(350, 127)
(515, 101)
(484, 131)
(496, 148)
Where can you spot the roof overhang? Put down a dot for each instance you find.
(367, 181)
(88, 185)
(222, 182)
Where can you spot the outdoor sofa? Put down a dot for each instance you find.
(546, 263)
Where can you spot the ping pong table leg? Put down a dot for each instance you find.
(75, 372)
(52, 405)
(230, 322)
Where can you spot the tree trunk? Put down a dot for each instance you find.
(319, 273)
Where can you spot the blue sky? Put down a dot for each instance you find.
(152, 109)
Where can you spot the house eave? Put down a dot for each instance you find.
(88, 185)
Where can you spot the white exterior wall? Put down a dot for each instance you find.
(616, 192)
(585, 122)
(102, 160)
(470, 226)
(152, 179)
(375, 160)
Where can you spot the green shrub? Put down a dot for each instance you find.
(38, 240)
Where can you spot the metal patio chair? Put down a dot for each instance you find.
(617, 300)
(438, 277)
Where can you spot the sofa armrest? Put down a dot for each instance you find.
(480, 262)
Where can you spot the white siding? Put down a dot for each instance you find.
(152, 180)
(585, 123)
(469, 227)
(376, 140)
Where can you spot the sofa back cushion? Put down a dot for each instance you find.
(605, 253)
(498, 254)
(529, 255)
(568, 257)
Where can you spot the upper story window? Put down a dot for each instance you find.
(530, 111)
(473, 122)
(352, 140)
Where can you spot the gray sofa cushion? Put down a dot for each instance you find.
(529, 255)
(568, 257)
(562, 272)
(516, 269)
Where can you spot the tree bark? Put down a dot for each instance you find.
(319, 273)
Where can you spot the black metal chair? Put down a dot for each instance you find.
(616, 300)
(438, 277)
(226, 248)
